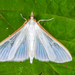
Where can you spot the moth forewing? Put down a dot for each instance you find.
(67, 53)
(43, 40)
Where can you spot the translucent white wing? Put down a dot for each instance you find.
(62, 54)
(4, 51)
(49, 49)
(22, 53)
(11, 49)
(40, 52)
(45, 43)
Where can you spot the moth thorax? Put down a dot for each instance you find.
(31, 18)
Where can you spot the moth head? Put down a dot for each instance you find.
(32, 16)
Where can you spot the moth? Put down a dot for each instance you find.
(30, 41)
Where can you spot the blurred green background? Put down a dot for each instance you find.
(62, 27)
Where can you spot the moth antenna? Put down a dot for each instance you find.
(46, 19)
(23, 17)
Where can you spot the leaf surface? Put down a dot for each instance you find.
(62, 27)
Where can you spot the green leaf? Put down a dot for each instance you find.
(62, 27)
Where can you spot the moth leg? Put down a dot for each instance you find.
(46, 19)
(23, 18)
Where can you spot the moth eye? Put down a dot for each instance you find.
(33, 17)
(29, 17)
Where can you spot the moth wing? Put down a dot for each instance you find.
(40, 52)
(60, 53)
(44, 46)
(21, 54)
(12, 46)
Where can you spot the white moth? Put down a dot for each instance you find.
(31, 40)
